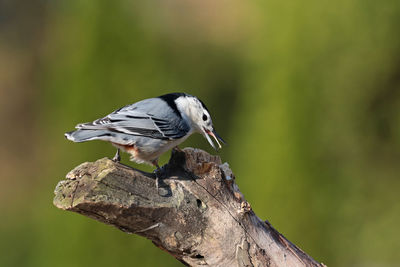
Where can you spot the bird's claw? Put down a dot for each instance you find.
(177, 149)
(157, 173)
(117, 157)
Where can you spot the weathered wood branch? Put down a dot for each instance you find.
(198, 216)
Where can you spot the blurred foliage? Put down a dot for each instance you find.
(307, 94)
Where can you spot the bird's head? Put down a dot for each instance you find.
(194, 110)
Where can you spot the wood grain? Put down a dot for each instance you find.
(199, 215)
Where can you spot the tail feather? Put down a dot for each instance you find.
(82, 135)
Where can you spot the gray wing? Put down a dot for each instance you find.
(148, 118)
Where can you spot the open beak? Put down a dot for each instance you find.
(216, 137)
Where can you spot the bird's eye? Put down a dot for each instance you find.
(205, 117)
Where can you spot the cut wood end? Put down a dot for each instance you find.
(81, 176)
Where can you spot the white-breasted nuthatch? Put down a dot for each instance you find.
(148, 128)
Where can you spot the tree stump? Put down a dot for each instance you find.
(198, 215)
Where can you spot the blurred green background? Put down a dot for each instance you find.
(307, 94)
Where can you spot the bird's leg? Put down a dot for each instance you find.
(117, 157)
(157, 172)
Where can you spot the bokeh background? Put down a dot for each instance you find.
(307, 94)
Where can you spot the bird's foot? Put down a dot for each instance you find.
(117, 157)
(177, 149)
(157, 173)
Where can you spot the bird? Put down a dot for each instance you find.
(149, 128)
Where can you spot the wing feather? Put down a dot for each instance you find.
(142, 120)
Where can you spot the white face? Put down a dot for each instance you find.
(199, 117)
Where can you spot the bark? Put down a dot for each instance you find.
(198, 215)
